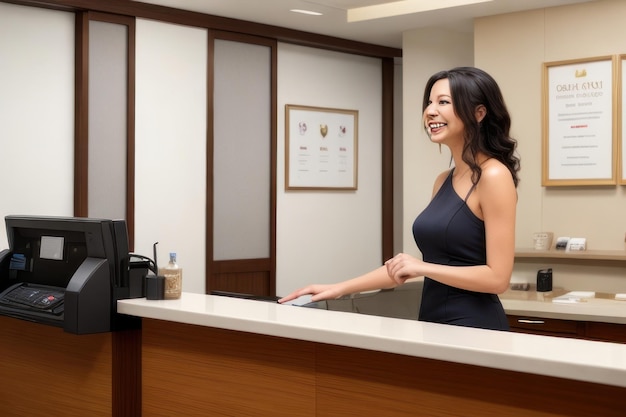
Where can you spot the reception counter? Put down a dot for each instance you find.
(213, 355)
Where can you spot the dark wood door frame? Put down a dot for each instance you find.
(249, 276)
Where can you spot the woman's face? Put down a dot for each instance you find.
(441, 122)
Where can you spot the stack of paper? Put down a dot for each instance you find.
(574, 297)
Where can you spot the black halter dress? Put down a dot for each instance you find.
(447, 232)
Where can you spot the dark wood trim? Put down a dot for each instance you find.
(387, 157)
(273, 167)
(112, 18)
(130, 137)
(168, 14)
(210, 154)
(241, 265)
(81, 116)
(589, 330)
(244, 38)
(606, 332)
(126, 373)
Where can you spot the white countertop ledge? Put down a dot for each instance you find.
(600, 310)
(589, 361)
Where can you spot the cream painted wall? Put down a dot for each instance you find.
(327, 236)
(170, 146)
(36, 83)
(514, 59)
(425, 52)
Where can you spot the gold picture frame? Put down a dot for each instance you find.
(579, 137)
(321, 148)
(621, 111)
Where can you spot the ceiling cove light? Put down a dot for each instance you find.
(309, 12)
(403, 7)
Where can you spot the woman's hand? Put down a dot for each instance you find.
(319, 292)
(402, 267)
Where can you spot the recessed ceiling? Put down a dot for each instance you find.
(385, 31)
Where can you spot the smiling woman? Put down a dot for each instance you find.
(467, 232)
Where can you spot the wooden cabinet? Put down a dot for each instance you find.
(605, 332)
(547, 327)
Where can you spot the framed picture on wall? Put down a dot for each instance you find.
(320, 148)
(579, 122)
(621, 146)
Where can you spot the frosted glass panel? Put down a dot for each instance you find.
(242, 146)
(107, 119)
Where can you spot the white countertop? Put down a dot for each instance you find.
(589, 361)
(601, 309)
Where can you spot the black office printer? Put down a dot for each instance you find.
(65, 271)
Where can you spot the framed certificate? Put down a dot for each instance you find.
(579, 122)
(320, 148)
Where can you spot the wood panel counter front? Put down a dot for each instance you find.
(209, 355)
(45, 371)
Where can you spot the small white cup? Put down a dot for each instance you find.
(542, 240)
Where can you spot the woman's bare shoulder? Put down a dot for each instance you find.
(494, 168)
(495, 176)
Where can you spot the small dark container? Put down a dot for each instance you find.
(155, 287)
(544, 280)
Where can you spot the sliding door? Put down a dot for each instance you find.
(104, 124)
(242, 191)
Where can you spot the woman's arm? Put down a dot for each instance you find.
(373, 280)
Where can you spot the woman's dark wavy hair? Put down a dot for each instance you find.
(471, 87)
